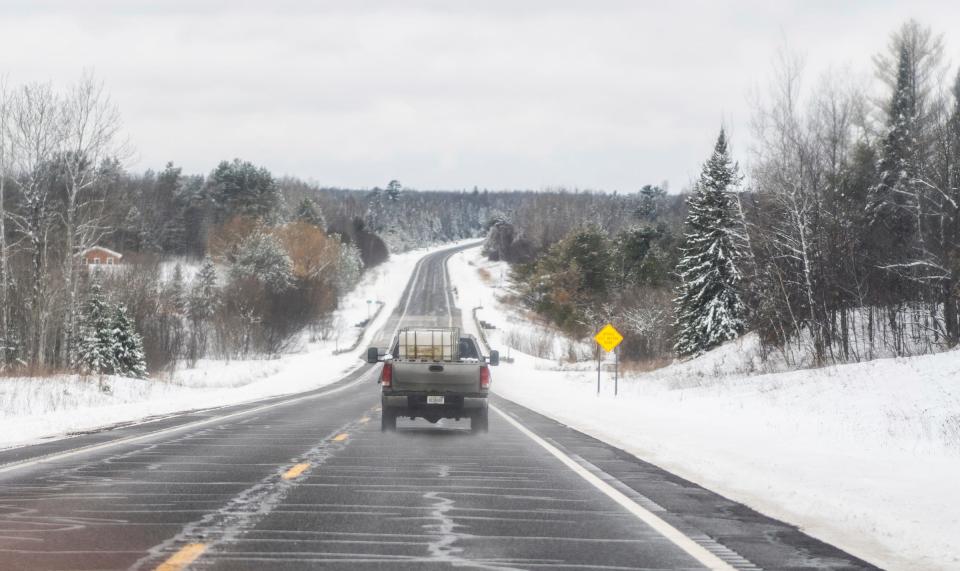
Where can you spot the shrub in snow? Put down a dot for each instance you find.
(127, 346)
(204, 296)
(109, 343)
(95, 350)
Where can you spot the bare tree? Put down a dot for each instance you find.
(785, 172)
(36, 134)
(91, 135)
(4, 254)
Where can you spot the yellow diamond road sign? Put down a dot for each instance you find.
(608, 338)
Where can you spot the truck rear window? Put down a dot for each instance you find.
(468, 350)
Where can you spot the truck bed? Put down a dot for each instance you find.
(436, 377)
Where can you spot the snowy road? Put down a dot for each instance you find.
(309, 481)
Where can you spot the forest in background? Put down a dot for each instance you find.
(843, 231)
(840, 239)
(273, 255)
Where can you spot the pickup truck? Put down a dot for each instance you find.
(434, 374)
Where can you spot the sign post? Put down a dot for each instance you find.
(616, 371)
(598, 370)
(608, 338)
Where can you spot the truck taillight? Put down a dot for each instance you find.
(386, 375)
(484, 377)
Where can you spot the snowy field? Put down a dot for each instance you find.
(863, 456)
(32, 409)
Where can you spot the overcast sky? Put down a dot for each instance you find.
(444, 94)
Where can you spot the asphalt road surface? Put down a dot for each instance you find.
(309, 481)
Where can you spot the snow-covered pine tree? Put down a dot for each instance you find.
(893, 199)
(261, 257)
(205, 295)
(177, 292)
(393, 190)
(171, 227)
(241, 188)
(95, 349)
(349, 267)
(202, 304)
(308, 212)
(127, 345)
(709, 307)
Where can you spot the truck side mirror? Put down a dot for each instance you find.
(373, 355)
(494, 358)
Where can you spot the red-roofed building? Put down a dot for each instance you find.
(99, 256)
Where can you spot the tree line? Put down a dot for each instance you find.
(275, 254)
(839, 239)
(268, 271)
(839, 242)
(581, 259)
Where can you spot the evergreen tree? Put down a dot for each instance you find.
(375, 218)
(202, 304)
(894, 198)
(127, 346)
(196, 210)
(171, 224)
(635, 262)
(393, 190)
(96, 349)
(589, 251)
(204, 296)
(349, 268)
(178, 297)
(650, 200)
(239, 188)
(709, 307)
(951, 289)
(308, 212)
(261, 257)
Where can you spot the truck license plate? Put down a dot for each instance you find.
(432, 399)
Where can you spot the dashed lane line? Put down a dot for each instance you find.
(181, 559)
(246, 508)
(295, 471)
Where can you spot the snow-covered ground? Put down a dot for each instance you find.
(35, 408)
(863, 456)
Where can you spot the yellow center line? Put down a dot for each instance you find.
(295, 471)
(340, 437)
(179, 560)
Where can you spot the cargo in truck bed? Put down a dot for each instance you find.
(428, 344)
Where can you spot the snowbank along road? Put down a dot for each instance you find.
(310, 481)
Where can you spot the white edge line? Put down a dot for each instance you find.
(93, 448)
(689, 546)
(446, 287)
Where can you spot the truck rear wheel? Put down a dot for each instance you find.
(388, 420)
(480, 422)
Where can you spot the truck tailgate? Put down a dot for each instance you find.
(436, 377)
